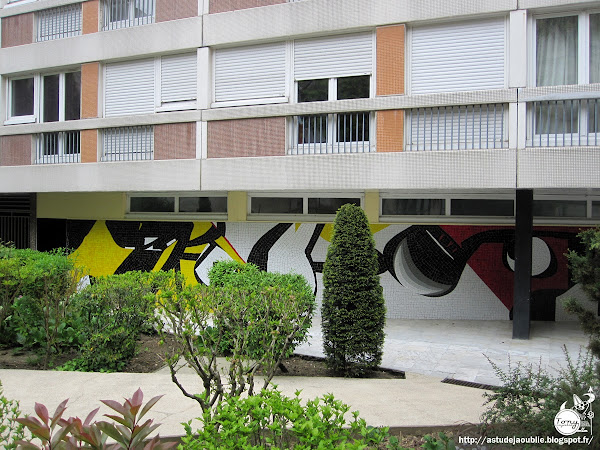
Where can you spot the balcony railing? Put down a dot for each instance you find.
(128, 143)
(457, 127)
(331, 133)
(58, 23)
(127, 13)
(58, 148)
(559, 123)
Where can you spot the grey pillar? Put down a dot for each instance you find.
(522, 288)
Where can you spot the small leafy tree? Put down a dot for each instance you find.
(353, 314)
(585, 270)
(260, 323)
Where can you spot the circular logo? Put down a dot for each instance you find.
(567, 422)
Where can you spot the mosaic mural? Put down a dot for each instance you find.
(427, 271)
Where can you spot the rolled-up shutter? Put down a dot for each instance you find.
(251, 72)
(458, 57)
(336, 56)
(129, 88)
(178, 77)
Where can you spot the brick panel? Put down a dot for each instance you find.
(91, 16)
(17, 30)
(217, 6)
(246, 137)
(390, 131)
(89, 90)
(15, 150)
(390, 60)
(89, 146)
(175, 141)
(173, 10)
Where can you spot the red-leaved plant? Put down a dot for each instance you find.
(57, 433)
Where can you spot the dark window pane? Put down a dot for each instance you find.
(276, 205)
(119, 10)
(413, 206)
(50, 143)
(481, 207)
(203, 204)
(51, 83)
(313, 90)
(312, 129)
(152, 204)
(329, 205)
(353, 87)
(143, 8)
(559, 208)
(72, 95)
(353, 127)
(22, 97)
(595, 210)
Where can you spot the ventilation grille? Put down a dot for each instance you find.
(487, 387)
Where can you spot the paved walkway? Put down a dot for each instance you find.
(427, 350)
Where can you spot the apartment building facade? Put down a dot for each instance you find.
(158, 134)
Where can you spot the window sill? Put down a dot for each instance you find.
(250, 102)
(19, 120)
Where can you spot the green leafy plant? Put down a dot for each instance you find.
(41, 314)
(10, 430)
(55, 432)
(112, 313)
(200, 318)
(12, 277)
(585, 269)
(272, 420)
(353, 312)
(442, 442)
(529, 398)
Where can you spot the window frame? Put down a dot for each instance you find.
(304, 216)
(332, 141)
(537, 138)
(176, 213)
(130, 21)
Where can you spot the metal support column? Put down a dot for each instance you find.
(522, 288)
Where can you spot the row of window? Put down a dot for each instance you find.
(390, 207)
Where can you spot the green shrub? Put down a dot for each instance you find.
(272, 420)
(200, 318)
(249, 278)
(41, 313)
(112, 312)
(529, 398)
(585, 269)
(353, 312)
(10, 430)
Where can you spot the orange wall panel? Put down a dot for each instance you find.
(15, 150)
(217, 6)
(89, 90)
(390, 131)
(91, 15)
(89, 146)
(17, 30)
(175, 141)
(390, 60)
(173, 10)
(246, 137)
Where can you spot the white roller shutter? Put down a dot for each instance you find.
(178, 77)
(250, 72)
(458, 57)
(336, 56)
(129, 88)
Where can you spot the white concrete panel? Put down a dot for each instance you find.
(170, 175)
(481, 169)
(517, 50)
(330, 16)
(124, 43)
(559, 167)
